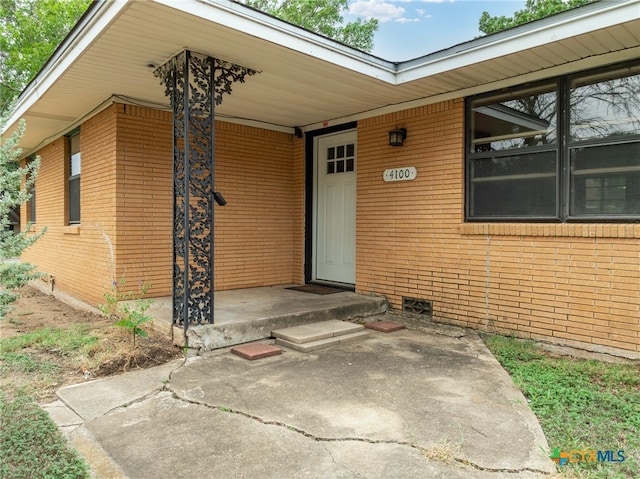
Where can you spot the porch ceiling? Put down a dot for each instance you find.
(304, 79)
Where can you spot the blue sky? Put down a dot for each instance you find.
(412, 28)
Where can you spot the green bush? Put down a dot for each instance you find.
(16, 182)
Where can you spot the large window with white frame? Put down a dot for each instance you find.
(562, 150)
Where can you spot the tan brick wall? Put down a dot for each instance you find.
(144, 198)
(577, 285)
(255, 232)
(78, 256)
(127, 200)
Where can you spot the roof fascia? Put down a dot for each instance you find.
(590, 17)
(99, 15)
(266, 27)
(579, 65)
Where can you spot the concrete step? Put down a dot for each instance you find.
(307, 333)
(314, 336)
(322, 343)
(247, 315)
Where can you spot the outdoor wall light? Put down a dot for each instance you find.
(397, 136)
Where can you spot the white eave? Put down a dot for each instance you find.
(305, 80)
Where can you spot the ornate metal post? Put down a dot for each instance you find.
(195, 84)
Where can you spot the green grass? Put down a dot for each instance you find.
(26, 363)
(30, 366)
(583, 405)
(32, 361)
(57, 340)
(31, 445)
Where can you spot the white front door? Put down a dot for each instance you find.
(335, 208)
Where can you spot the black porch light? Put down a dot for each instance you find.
(397, 136)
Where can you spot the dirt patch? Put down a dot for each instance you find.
(45, 368)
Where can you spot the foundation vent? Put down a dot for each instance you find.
(422, 307)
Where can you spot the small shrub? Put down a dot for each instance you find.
(129, 316)
(16, 183)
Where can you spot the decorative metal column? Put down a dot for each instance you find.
(195, 84)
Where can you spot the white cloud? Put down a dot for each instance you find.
(383, 11)
(407, 20)
(424, 1)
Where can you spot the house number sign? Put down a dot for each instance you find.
(406, 173)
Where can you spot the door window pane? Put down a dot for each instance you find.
(341, 159)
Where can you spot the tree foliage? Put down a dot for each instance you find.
(30, 31)
(323, 17)
(16, 182)
(533, 10)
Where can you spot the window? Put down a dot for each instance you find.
(74, 178)
(32, 203)
(341, 159)
(604, 149)
(514, 155)
(557, 151)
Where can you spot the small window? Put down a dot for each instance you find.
(74, 179)
(341, 159)
(31, 205)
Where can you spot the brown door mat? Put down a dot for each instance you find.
(316, 289)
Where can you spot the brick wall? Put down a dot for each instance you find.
(144, 198)
(255, 232)
(127, 200)
(79, 256)
(577, 285)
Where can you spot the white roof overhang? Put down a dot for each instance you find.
(304, 80)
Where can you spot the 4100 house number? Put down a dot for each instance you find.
(406, 173)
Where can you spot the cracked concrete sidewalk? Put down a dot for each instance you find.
(427, 402)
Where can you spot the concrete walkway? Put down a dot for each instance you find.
(427, 403)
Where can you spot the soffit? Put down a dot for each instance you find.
(295, 85)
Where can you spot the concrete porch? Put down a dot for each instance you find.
(245, 315)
